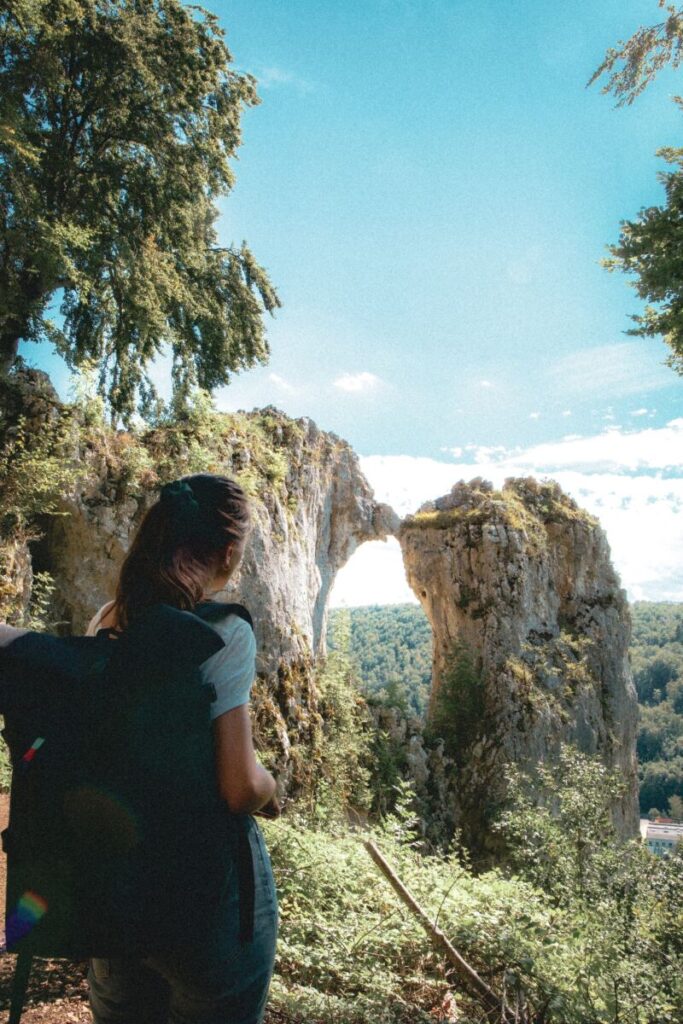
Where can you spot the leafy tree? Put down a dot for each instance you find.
(659, 781)
(674, 690)
(458, 712)
(676, 807)
(649, 246)
(342, 781)
(660, 734)
(118, 119)
(632, 65)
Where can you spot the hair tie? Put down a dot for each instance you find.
(180, 494)
(179, 498)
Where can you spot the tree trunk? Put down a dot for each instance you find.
(494, 1007)
(9, 347)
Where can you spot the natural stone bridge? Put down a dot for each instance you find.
(521, 577)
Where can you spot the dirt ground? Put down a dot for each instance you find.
(58, 992)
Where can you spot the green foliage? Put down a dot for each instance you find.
(659, 781)
(624, 906)
(648, 246)
(524, 504)
(349, 950)
(85, 397)
(391, 651)
(660, 736)
(657, 662)
(565, 845)
(190, 436)
(675, 808)
(118, 122)
(38, 614)
(341, 784)
(389, 763)
(346, 949)
(457, 715)
(36, 468)
(587, 930)
(633, 64)
(5, 765)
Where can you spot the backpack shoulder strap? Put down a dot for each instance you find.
(22, 971)
(213, 611)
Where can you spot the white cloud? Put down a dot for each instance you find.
(534, 415)
(622, 368)
(273, 76)
(485, 384)
(566, 412)
(280, 382)
(639, 412)
(613, 451)
(632, 481)
(357, 382)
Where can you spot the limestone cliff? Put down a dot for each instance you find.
(311, 508)
(521, 581)
(520, 578)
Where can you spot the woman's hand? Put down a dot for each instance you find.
(272, 809)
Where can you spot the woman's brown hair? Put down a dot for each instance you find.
(178, 545)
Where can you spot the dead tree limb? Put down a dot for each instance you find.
(496, 1009)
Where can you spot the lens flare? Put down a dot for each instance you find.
(29, 910)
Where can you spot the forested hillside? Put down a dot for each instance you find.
(657, 660)
(390, 647)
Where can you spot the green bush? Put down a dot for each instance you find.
(580, 929)
(341, 784)
(458, 712)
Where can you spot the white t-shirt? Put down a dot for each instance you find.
(231, 670)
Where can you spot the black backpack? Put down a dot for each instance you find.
(118, 842)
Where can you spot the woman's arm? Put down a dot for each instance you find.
(244, 784)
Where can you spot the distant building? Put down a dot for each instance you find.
(661, 835)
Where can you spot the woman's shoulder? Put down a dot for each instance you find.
(103, 619)
(234, 630)
(231, 669)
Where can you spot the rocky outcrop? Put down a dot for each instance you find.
(519, 581)
(29, 407)
(531, 629)
(422, 761)
(311, 508)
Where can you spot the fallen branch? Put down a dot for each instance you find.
(496, 1009)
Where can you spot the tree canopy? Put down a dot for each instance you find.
(650, 246)
(118, 120)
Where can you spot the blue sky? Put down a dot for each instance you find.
(431, 187)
